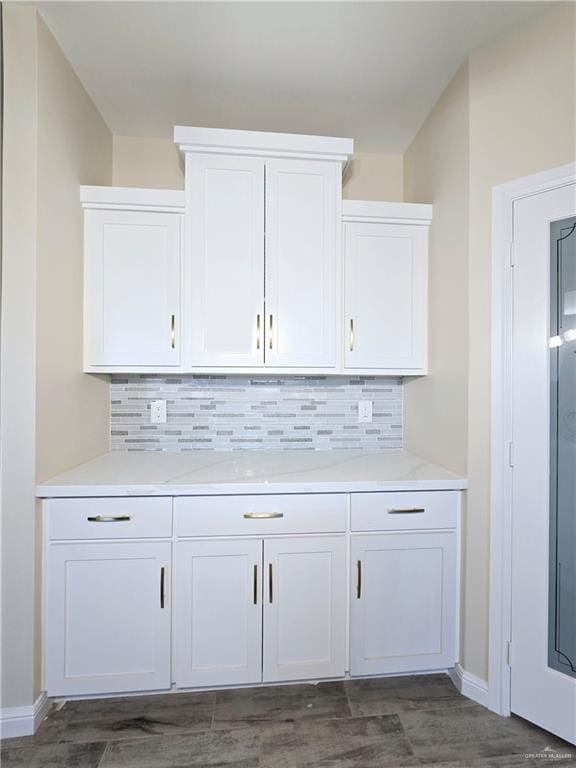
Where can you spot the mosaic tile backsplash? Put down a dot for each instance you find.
(223, 413)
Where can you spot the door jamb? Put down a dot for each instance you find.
(501, 460)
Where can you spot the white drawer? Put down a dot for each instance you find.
(110, 518)
(260, 515)
(404, 510)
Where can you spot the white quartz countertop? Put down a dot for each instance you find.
(191, 473)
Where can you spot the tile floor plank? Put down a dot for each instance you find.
(419, 720)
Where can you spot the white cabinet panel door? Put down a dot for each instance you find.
(302, 246)
(385, 286)
(132, 288)
(403, 610)
(225, 220)
(304, 608)
(107, 618)
(218, 612)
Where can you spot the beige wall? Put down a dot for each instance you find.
(18, 352)
(374, 177)
(521, 106)
(52, 415)
(147, 162)
(74, 147)
(436, 169)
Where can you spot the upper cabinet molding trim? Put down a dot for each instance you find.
(263, 143)
(132, 199)
(388, 213)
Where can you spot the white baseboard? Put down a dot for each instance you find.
(23, 721)
(469, 685)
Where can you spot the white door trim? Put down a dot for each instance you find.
(503, 198)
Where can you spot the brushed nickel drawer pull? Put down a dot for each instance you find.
(262, 515)
(173, 331)
(270, 594)
(109, 519)
(258, 331)
(359, 582)
(351, 334)
(411, 511)
(162, 580)
(255, 585)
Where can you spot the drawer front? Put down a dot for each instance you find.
(404, 511)
(110, 518)
(260, 515)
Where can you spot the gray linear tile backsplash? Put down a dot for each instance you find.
(223, 413)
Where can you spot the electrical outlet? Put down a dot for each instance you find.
(158, 412)
(364, 411)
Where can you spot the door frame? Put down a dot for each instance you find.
(501, 459)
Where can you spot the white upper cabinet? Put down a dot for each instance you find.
(226, 259)
(258, 265)
(302, 248)
(263, 219)
(132, 263)
(385, 286)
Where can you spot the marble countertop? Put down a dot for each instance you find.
(120, 473)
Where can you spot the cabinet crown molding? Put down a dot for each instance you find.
(262, 143)
(132, 199)
(387, 213)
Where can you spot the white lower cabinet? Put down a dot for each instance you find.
(403, 609)
(108, 617)
(248, 611)
(260, 584)
(218, 612)
(305, 608)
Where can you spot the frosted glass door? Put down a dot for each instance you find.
(562, 626)
(542, 682)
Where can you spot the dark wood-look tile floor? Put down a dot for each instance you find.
(378, 723)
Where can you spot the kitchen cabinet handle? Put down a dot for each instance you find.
(351, 334)
(162, 586)
(271, 342)
(262, 515)
(409, 511)
(109, 519)
(359, 579)
(258, 331)
(270, 592)
(255, 598)
(173, 331)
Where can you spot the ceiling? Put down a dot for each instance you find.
(367, 70)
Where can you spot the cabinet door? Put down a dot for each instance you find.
(132, 288)
(107, 618)
(302, 246)
(403, 612)
(218, 612)
(385, 287)
(304, 608)
(225, 215)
